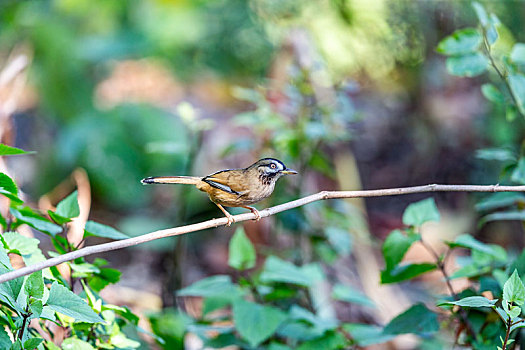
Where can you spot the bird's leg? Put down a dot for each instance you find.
(255, 211)
(231, 220)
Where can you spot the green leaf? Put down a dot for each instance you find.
(469, 65)
(254, 322)
(68, 207)
(366, 334)
(518, 53)
(68, 303)
(242, 253)
(76, 344)
(8, 188)
(331, 340)
(4, 258)
(21, 245)
(214, 286)
(36, 308)
(340, 239)
(28, 216)
(497, 154)
(461, 42)
(6, 150)
(469, 242)
(10, 290)
(499, 200)
(492, 93)
(350, 295)
(99, 230)
(405, 272)
(278, 346)
(418, 319)
(395, 247)
(34, 285)
(416, 214)
(5, 341)
(32, 343)
(475, 301)
(503, 216)
(517, 86)
(101, 279)
(486, 22)
(277, 270)
(17, 345)
(513, 290)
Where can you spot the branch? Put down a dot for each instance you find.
(105, 247)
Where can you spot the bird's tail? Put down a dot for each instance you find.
(186, 180)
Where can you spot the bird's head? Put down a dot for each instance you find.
(270, 169)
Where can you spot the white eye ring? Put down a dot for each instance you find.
(273, 166)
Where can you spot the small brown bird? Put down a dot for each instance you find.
(234, 187)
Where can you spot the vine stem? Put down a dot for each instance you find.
(176, 231)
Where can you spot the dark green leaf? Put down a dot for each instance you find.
(475, 301)
(350, 295)
(242, 253)
(32, 343)
(28, 216)
(68, 303)
(405, 272)
(513, 290)
(329, 341)
(278, 346)
(101, 279)
(254, 322)
(366, 334)
(68, 207)
(17, 345)
(99, 230)
(469, 65)
(418, 319)
(395, 247)
(518, 53)
(6, 150)
(34, 285)
(8, 188)
(277, 270)
(60, 220)
(461, 42)
(416, 214)
(517, 85)
(214, 286)
(492, 93)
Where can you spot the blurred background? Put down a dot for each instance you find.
(352, 94)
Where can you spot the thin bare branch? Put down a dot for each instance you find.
(105, 247)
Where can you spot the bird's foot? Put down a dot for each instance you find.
(256, 212)
(231, 220)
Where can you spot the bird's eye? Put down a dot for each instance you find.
(273, 166)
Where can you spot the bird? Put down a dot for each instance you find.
(234, 187)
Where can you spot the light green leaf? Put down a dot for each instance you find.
(277, 270)
(461, 42)
(32, 343)
(513, 290)
(475, 301)
(469, 65)
(405, 272)
(5, 341)
(518, 53)
(4, 258)
(254, 322)
(350, 295)
(418, 319)
(486, 22)
(68, 303)
(99, 230)
(497, 154)
(366, 334)
(68, 207)
(469, 242)
(395, 247)
(76, 344)
(214, 286)
(34, 285)
(492, 93)
(416, 214)
(340, 239)
(6, 150)
(10, 290)
(517, 85)
(242, 253)
(21, 244)
(499, 200)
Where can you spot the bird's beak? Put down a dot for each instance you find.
(289, 172)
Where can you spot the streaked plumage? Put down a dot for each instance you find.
(234, 187)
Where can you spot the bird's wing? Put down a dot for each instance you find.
(227, 180)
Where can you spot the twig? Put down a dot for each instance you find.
(105, 247)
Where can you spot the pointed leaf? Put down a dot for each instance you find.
(418, 319)
(6, 150)
(395, 247)
(99, 230)
(405, 272)
(517, 85)
(28, 216)
(513, 290)
(68, 303)
(68, 207)
(34, 285)
(416, 214)
(475, 301)
(242, 253)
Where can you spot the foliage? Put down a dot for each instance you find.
(46, 296)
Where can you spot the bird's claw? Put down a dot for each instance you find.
(231, 220)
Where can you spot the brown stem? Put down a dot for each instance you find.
(509, 324)
(175, 231)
